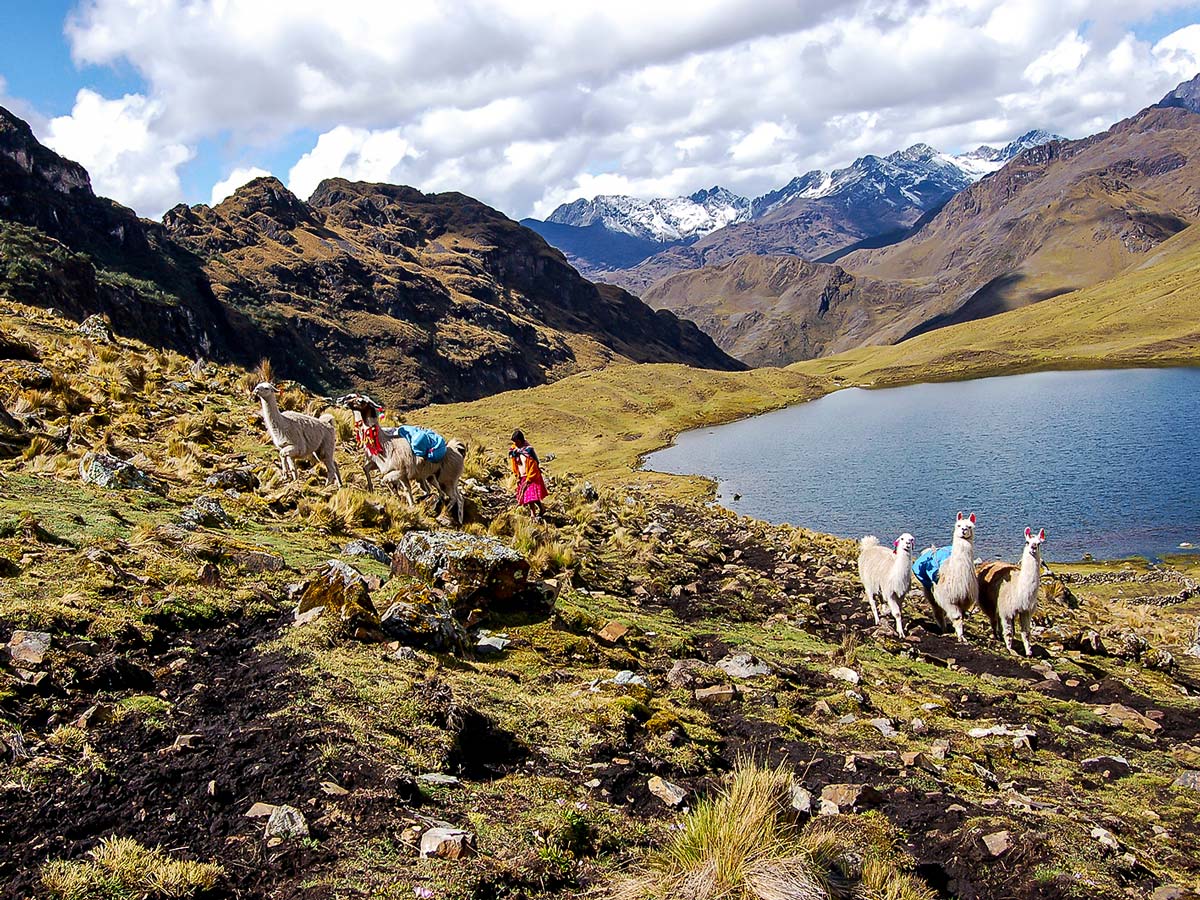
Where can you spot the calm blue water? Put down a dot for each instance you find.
(1106, 462)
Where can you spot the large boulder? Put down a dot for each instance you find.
(339, 591)
(474, 572)
(107, 471)
(422, 618)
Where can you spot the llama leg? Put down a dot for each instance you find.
(939, 617)
(332, 475)
(367, 466)
(1006, 625)
(872, 604)
(894, 606)
(1026, 621)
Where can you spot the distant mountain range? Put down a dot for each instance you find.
(1056, 217)
(873, 196)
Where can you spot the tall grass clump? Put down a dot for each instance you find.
(122, 868)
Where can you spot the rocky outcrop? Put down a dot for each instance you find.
(474, 572)
(337, 591)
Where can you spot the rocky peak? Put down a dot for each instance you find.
(18, 144)
(1185, 96)
(915, 153)
(266, 196)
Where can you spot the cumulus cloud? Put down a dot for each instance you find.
(235, 180)
(126, 155)
(529, 103)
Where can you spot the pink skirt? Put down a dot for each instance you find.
(532, 491)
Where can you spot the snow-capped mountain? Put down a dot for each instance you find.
(875, 195)
(985, 160)
(662, 219)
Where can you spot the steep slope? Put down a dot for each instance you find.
(62, 246)
(1059, 217)
(775, 310)
(418, 297)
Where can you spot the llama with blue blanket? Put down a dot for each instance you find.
(408, 454)
(947, 577)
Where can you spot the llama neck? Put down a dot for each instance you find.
(272, 418)
(962, 547)
(1031, 567)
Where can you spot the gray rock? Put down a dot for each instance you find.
(95, 328)
(743, 665)
(841, 673)
(884, 727)
(360, 547)
(425, 620)
(801, 798)
(243, 480)
(206, 512)
(1188, 779)
(474, 571)
(627, 677)
(342, 592)
(28, 648)
(258, 561)
(849, 797)
(286, 823)
(668, 793)
(588, 492)
(720, 693)
(490, 644)
(111, 473)
(447, 843)
(684, 673)
(438, 778)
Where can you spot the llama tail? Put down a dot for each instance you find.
(459, 446)
(327, 418)
(869, 541)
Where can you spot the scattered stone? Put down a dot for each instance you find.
(258, 561)
(848, 719)
(588, 492)
(1001, 731)
(106, 471)
(1119, 714)
(13, 744)
(997, 843)
(1023, 743)
(96, 714)
(96, 328)
(841, 673)
(1167, 892)
(359, 547)
(184, 743)
(612, 632)
(208, 575)
(333, 789)
(956, 808)
(341, 591)
(914, 759)
(883, 726)
(668, 793)
(802, 798)
(425, 620)
(242, 480)
(447, 843)
(206, 512)
(1111, 767)
(438, 778)
(628, 677)
(849, 797)
(1160, 661)
(474, 571)
(1188, 779)
(685, 673)
(720, 693)
(28, 648)
(743, 665)
(285, 823)
(1106, 839)
(918, 726)
(259, 811)
(939, 749)
(491, 644)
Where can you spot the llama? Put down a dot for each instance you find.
(1009, 594)
(948, 578)
(389, 451)
(886, 574)
(298, 436)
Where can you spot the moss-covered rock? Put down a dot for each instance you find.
(474, 571)
(341, 592)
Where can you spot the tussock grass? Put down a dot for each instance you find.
(746, 843)
(122, 869)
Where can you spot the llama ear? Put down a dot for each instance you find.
(1028, 532)
(1042, 535)
(972, 518)
(960, 516)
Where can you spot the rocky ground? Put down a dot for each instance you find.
(318, 693)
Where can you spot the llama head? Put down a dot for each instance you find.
(1034, 541)
(362, 404)
(264, 389)
(905, 543)
(965, 527)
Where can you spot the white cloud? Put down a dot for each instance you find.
(233, 181)
(118, 144)
(524, 103)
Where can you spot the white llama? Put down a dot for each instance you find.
(1009, 594)
(298, 436)
(886, 574)
(957, 589)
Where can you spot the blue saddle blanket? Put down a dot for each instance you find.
(425, 443)
(928, 565)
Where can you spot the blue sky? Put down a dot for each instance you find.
(528, 103)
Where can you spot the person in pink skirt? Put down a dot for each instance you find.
(531, 487)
